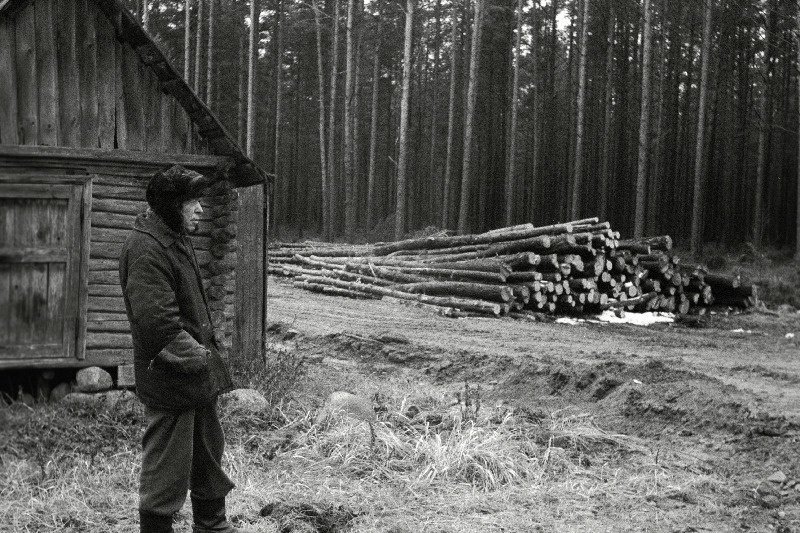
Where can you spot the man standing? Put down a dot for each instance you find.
(179, 372)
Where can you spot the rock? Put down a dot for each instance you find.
(766, 488)
(770, 502)
(60, 391)
(777, 477)
(93, 379)
(82, 399)
(247, 401)
(342, 404)
(786, 309)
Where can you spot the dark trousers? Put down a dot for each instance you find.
(181, 451)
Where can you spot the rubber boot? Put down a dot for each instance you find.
(209, 516)
(154, 523)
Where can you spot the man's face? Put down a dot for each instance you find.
(191, 211)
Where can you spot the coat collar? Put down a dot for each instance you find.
(149, 222)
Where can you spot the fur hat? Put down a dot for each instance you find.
(168, 189)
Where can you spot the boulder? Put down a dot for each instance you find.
(82, 399)
(93, 379)
(342, 404)
(60, 391)
(248, 401)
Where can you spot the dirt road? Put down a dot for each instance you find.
(728, 391)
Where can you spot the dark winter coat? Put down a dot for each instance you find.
(176, 356)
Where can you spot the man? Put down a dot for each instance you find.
(179, 372)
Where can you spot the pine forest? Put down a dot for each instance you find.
(383, 117)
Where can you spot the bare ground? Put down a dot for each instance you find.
(717, 409)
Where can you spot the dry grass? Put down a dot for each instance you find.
(440, 470)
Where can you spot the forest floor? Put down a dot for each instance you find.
(569, 427)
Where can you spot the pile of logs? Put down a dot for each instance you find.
(569, 268)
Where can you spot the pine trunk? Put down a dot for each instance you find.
(644, 125)
(447, 185)
(198, 57)
(349, 85)
(697, 200)
(323, 166)
(210, 66)
(511, 192)
(605, 165)
(765, 123)
(577, 177)
(532, 190)
(333, 204)
(472, 96)
(373, 130)
(251, 77)
(187, 39)
(797, 214)
(146, 15)
(400, 206)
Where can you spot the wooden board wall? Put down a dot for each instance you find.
(68, 81)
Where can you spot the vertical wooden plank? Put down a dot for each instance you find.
(7, 214)
(8, 83)
(152, 115)
(27, 92)
(46, 74)
(167, 133)
(180, 124)
(132, 92)
(5, 296)
(55, 303)
(249, 271)
(120, 123)
(18, 303)
(38, 301)
(106, 76)
(83, 235)
(87, 44)
(68, 74)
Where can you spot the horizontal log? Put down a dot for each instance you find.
(108, 340)
(112, 220)
(103, 316)
(518, 277)
(105, 290)
(108, 326)
(106, 303)
(459, 303)
(118, 192)
(105, 250)
(480, 291)
(334, 291)
(124, 207)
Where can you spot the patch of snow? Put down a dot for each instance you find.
(637, 319)
(569, 321)
(790, 336)
(741, 330)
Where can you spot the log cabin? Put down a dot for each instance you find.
(90, 108)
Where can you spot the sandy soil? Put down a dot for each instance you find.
(721, 400)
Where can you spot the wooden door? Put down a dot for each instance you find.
(40, 267)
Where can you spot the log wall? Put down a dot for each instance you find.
(115, 203)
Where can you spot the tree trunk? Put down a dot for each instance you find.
(447, 186)
(472, 96)
(333, 203)
(349, 85)
(797, 219)
(251, 78)
(323, 166)
(198, 58)
(577, 177)
(530, 197)
(373, 127)
(210, 66)
(241, 122)
(697, 200)
(511, 199)
(605, 164)
(286, 196)
(400, 206)
(146, 15)
(765, 123)
(644, 125)
(187, 40)
(434, 187)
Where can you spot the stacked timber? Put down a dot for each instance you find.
(569, 268)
